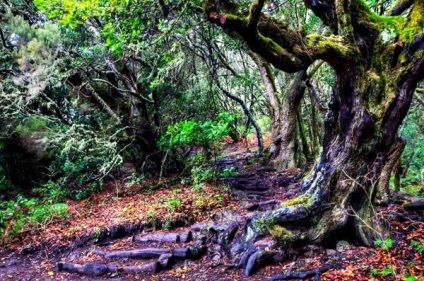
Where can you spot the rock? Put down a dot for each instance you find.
(342, 245)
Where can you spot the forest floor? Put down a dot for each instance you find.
(114, 218)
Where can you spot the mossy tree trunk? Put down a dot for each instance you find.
(284, 151)
(378, 61)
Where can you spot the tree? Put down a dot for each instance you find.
(378, 61)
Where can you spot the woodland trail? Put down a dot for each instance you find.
(198, 250)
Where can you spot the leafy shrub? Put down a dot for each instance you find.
(200, 175)
(189, 134)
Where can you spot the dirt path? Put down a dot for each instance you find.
(193, 249)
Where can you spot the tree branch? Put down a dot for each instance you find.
(277, 43)
(255, 13)
(101, 102)
(3, 40)
(399, 7)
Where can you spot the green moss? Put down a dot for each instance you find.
(273, 45)
(326, 43)
(261, 224)
(415, 25)
(302, 199)
(282, 234)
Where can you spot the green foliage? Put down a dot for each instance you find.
(385, 271)
(18, 213)
(191, 133)
(53, 191)
(228, 172)
(408, 277)
(173, 203)
(32, 124)
(419, 247)
(384, 244)
(200, 175)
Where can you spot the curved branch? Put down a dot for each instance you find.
(122, 90)
(277, 43)
(102, 103)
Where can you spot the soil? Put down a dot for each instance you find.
(111, 220)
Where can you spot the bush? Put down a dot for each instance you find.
(186, 135)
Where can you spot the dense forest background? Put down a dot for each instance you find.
(100, 91)
(142, 92)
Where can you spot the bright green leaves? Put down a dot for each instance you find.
(384, 244)
(194, 133)
(70, 13)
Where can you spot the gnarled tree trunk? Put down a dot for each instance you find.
(375, 80)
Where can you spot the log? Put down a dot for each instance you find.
(147, 253)
(158, 237)
(93, 269)
(186, 237)
(165, 261)
(152, 267)
(183, 237)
